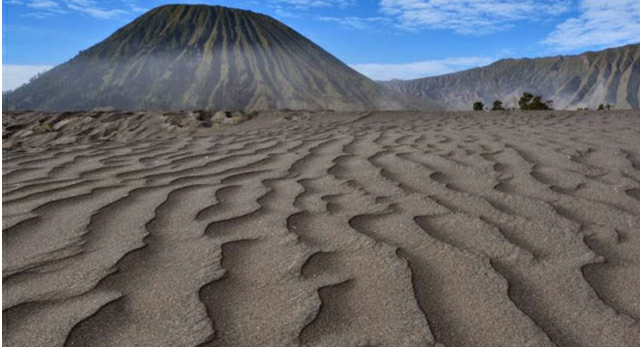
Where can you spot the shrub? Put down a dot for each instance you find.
(478, 106)
(530, 102)
(524, 101)
(497, 106)
(603, 107)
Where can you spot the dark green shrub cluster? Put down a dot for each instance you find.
(603, 107)
(530, 102)
(497, 106)
(527, 102)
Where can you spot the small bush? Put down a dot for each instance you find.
(530, 102)
(478, 106)
(603, 107)
(497, 106)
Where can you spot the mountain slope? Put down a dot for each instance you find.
(204, 57)
(611, 76)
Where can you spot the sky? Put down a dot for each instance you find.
(383, 39)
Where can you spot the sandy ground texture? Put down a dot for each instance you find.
(383, 229)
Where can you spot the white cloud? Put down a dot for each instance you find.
(469, 16)
(38, 15)
(283, 12)
(13, 76)
(43, 4)
(41, 8)
(306, 4)
(600, 23)
(355, 22)
(385, 72)
(292, 8)
(47, 8)
(92, 9)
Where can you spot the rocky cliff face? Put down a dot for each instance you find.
(611, 76)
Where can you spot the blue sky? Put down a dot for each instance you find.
(383, 39)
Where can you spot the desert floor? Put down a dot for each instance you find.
(360, 229)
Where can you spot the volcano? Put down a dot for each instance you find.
(178, 57)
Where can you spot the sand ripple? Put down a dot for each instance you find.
(355, 230)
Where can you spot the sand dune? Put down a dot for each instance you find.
(362, 229)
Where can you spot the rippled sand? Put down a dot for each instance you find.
(383, 229)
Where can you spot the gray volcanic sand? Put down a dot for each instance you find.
(383, 229)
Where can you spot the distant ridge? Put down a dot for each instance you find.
(610, 76)
(205, 57)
